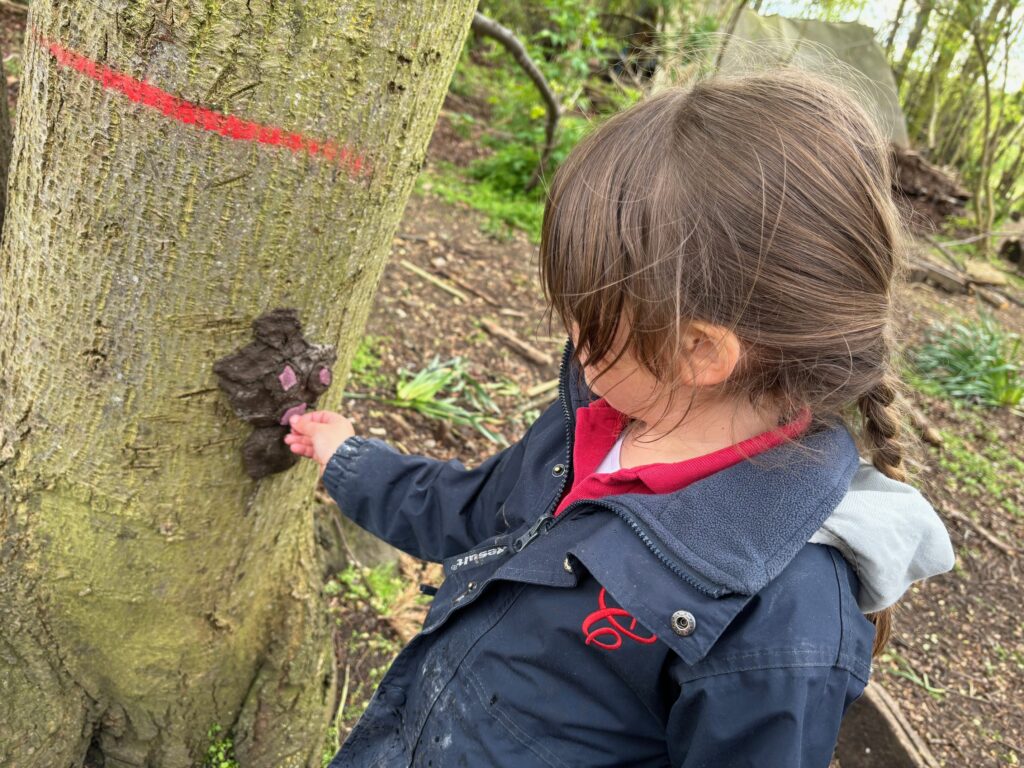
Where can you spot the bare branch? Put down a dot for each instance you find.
(490, 28)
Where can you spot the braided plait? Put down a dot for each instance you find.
(882, 408)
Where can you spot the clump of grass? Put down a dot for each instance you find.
(504, 212)
(221, 752)
(978, 362)
(446, 391)
(366, 364)
(379, 586)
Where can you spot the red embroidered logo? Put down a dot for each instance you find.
(609, 636)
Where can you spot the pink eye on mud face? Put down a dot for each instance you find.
(288, 378)
(325, 376)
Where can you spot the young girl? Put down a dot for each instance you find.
(673, 565)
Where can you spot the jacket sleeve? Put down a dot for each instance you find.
(429, 508)
(782, 716)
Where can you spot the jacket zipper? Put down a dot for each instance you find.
(548, 520)
(545, 521)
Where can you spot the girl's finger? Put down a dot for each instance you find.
(302, 450)
(322, 417)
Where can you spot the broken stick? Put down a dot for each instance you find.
(1007, 549)
(443, 285)
(528, 351)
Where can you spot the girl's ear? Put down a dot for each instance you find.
(711, 353)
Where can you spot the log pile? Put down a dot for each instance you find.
(929, 192)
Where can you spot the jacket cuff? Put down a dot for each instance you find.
(341, 466)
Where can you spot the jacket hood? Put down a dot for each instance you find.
(889, 534)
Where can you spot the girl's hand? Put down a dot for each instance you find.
(317, 435)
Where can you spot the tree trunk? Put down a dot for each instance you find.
(924, 11)
(181, 168)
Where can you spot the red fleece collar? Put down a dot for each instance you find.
(599, 425)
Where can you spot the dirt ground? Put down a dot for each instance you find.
(956, 662)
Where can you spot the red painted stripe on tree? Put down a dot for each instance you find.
(190, 113)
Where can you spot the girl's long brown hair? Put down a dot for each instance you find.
(760, 203)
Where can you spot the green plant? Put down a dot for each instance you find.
(900, 666)
(446, 391)
(977, 362)
(366, 364)
(984, 469)
(378, 586)
(221, 752)
(422, 392)
(330, 746)
(504, 211)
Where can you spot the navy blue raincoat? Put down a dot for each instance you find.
(694, 628)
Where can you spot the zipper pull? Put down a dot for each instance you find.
(538, 528)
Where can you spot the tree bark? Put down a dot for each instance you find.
(150, 589)
(5, 140)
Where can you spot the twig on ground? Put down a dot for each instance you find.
(344, 698)
(1008, 549)
(537, 402)
(993, 298)
(17, 7)
(443, 285)
(472, 289)
(540, 389)
(525, 349)
(948, 254)
(411, 238)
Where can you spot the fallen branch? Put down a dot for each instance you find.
(17, 7)
(948, 254)
(540, 389)
(472, 289)
(528, 351)
(940, 277)
(490, 28)
(444, 286)
(993, 298)
(439, 240)
(1008, 549)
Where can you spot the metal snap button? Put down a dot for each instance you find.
(683, 623)
(558, 470)
(567, 565)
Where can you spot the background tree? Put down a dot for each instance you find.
(179, 170)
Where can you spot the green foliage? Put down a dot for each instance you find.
(330, 746)
(446, 391)
(900, 666)
(378, 586)
(366, 364)
(986, 469)
(511, 166)
(978, 362)
(504, 211)
(221, 752)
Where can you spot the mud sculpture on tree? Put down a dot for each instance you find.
(276, 377)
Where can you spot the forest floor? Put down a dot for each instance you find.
(956, 662)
